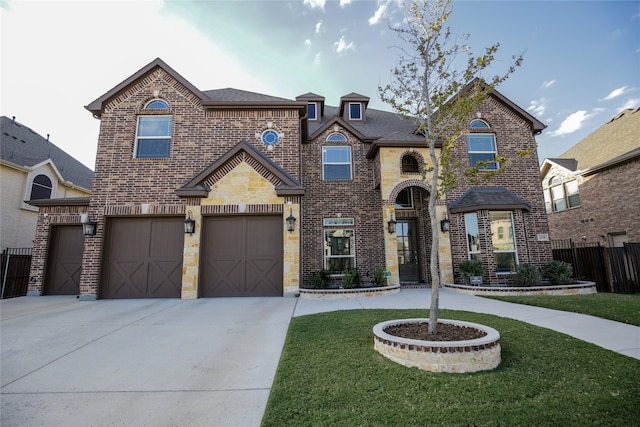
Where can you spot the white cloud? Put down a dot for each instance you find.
(616, 93)
(341, 46)
(379, 14)
(307, 42)
(547, 84)
(315, 4)
(537, 107)
(318, 26)
(343, 3)
(631, 103)
(316, 60)
(575, 122)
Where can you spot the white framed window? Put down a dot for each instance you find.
(561, 196)
(312, 110)
(482, 147)
(503, 241)
(355, 111)
(336, 163)
(473, 235)
(153, 137)
(339, 250)
(41, 187)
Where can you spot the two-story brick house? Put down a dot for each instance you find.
(232, 193)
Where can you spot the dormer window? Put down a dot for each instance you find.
(312, 110)
(41, 188)
(355, 111)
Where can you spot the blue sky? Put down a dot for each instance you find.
(581, 58)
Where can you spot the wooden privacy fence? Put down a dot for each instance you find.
(14, 273)
(613, 269)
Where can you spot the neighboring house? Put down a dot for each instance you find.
(233, 193)
(33, 168)
(591, 190)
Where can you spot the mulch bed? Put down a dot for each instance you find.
(445, 332)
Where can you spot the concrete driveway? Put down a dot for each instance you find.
(166, 362)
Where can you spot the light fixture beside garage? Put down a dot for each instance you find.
(89, 227)
(444, 224)
(291, 221)
(189, 224)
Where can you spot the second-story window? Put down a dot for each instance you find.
(336, 163)
(355, 111)
(312, 110)
(41, 188)
(560, 196)
(482, 146)
(153, 135)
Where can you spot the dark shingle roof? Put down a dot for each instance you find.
(570, 164)
(492, 198)
(237, 95)
(24, 147)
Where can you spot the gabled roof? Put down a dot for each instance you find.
(239, 99)
(96, 106)
(618, 136)
(491, 198)
(571, 165)
(23, 147)
(196, 187)
(536, 125)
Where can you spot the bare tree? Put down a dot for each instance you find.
(438, 83)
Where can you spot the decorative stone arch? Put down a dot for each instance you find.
(415, 155)
(403, 185)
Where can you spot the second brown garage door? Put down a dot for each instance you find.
(143, 258)
(241, 256)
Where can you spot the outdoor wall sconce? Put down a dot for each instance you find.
(444, 224)
(89, 227)
(189, 224)
(291, 221)
(391, 225)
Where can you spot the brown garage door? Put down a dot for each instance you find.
(242, 256)
(64, 260)
(143, 258)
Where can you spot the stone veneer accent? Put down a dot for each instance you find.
(349, 293)
(583, 288)
(475, 355)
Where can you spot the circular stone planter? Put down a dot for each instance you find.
(480, 354)
(349, 293)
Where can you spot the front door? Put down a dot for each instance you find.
(408, 263)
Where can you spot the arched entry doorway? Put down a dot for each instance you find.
(413, 233)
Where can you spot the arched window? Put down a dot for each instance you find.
(157, 104)
(478, 124)
(410, 164)
(153, 137)
(41, 188)
(481, 146)
(336, 137)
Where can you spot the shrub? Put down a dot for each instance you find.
(472, 267)
(378, 277)
(319, 279)
(558, 272)
(350, 278)
(527, 275)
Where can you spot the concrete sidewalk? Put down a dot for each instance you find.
(616, 336)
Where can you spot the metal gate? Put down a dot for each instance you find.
(14, 274)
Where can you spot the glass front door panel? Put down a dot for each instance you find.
(408, 262)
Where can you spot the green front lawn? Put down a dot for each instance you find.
(330, 375)
(619, 307)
